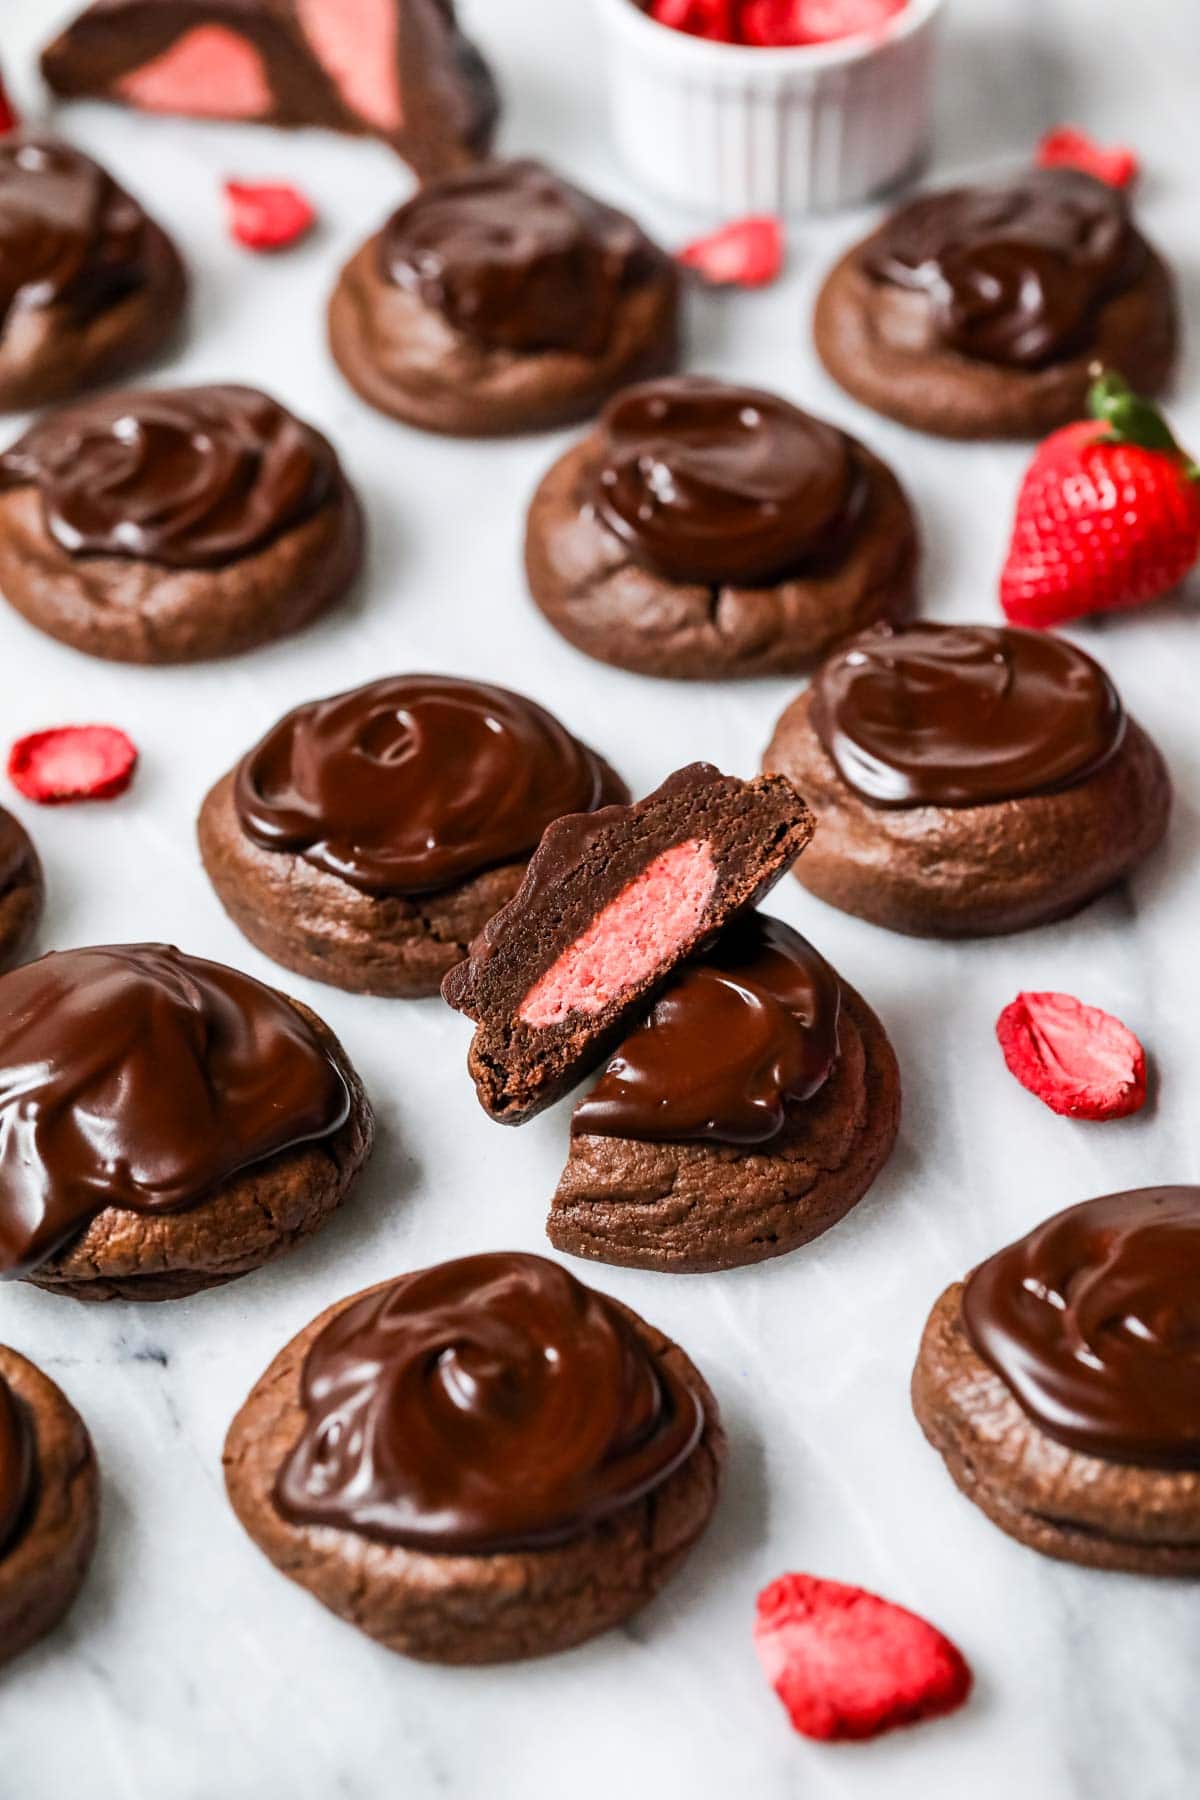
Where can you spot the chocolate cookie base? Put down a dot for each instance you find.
(691, 1208)
(125, 610)
(43, 1569)
(255, 1218)
(934, 389)
(407, 360)
(470, 1608)
(47, 353)
(21, 900)
(1075, 1507)
(306, 919)
(585, 581)
(974, 871)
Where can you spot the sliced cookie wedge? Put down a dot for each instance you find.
(612, 903)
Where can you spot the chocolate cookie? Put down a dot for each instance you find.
(169, 525)
(503, 300)
(978, 312)
(478, 1462)
(1061, 1384)
(400, 70)
(22, 889)
(49, 1504)
(743, 1118)
(706, 530)
(968, 780)
(165, 1123)
(612, 903)
(368, 838)
(90, 287)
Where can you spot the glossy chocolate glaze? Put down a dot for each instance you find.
(1093, 1321)
(964, 715)
(488, 1404)
(708, 482)
(742, 1037)
(186, 477)
(18, 1466)
(69, 236)
(517, 258)
(1013, 272)
(135, 1076)
(412, 784)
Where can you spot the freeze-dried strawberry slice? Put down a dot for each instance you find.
(1066, 147)
(780, 23)
(8, 112)
(72, 762)
(748, 253)
(699, 18)
(847, 1664)
(268, 215)
(1082, 1062)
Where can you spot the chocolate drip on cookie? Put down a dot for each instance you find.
(137, 1077)
(409, 785)
(184, 477)
(488, 1404)
(940, 715)
(1093, 1322)
(69, 236)
(1013, 273)
(704, 481)
(18, 1465)
(518, 259)
(740, 1040)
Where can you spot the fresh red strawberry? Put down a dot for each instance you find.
(1082, 1062)
(847, 1664)
(748, 253)
(72, 762)
(1066, 147)
(1108, 515)
(8, 112)
(267, 215)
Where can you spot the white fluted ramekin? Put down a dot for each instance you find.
(729, 129)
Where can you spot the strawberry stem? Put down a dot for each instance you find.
(1130, 419)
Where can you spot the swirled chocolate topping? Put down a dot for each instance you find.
(517, 258)
(187, 477)
(1093, 1322)
(412, 784)
(741, 1038)
(15, 855)
(707, 482)
(18, 1465)
(488, 1404)
(69, 236)
(135, 1076)
(962, 715)
(1014, 273)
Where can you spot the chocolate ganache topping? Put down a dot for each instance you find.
(412, 784)
(488, 1404)
(135, 1076)
(707, 482)
(743, 1036)
(517, 258)
(18, 1465)
(1014, 273)
(69, 236)
(963, 715)
(186, 477)
(1093, 1322)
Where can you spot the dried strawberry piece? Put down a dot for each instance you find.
(699, 18)
(9, 119)
(1066, 147)
(72, 762)
(748, 253)
(268, 215)
(1082, 1062)
(847, 1664)
(778, 23)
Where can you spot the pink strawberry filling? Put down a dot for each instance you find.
(634, 935)
(355, 43)
(209, 73)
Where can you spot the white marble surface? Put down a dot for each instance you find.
(190, 1669)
